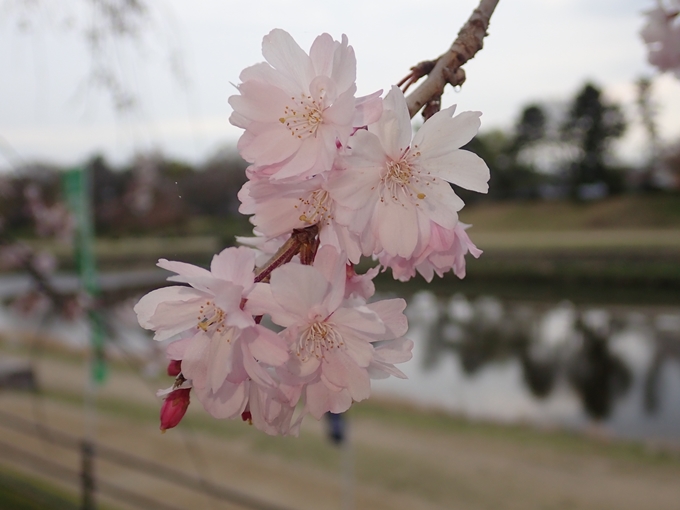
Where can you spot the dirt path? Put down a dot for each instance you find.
(397, 466)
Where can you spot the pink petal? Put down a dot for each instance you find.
(267, 347)
(367, 109)
(344, 65)
(284, 54)
(390, 312)
(259, 101)
(227, 402)
(342, 371)
(320, 400)
(172, 318)
(297, 289)
(396, 226)
(219, 358)
(273, 145)
(235, 265)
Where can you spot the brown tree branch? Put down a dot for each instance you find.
(447, 69)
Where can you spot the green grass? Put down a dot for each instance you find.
(631, 212)
(20, 492)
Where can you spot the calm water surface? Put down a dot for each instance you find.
(552, 364)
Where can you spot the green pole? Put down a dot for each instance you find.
(77, 190)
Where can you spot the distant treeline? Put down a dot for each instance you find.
(564, 150)
(151, 193)
(554, 151)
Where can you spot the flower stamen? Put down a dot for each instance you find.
(210, 315)
(316, 208)
(316, 339)
(404, 177)
(304, 117)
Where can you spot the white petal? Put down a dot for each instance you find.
(394, 127)
(286, 56)
(344, 65)
(321, 53)
(441, 134)
(184, 269)
(146, 307)
(441, 204)
(459, 167)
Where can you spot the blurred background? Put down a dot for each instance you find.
(549, 378)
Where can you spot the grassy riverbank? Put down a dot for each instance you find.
(532, 250)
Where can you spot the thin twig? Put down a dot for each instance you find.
(447, 69)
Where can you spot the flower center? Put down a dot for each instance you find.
(316, 208)
(405, 179)
(316, 339)
(210, 318)
(304, 116)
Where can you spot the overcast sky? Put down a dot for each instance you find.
(537, 50)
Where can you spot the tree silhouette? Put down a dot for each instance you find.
(591, 126)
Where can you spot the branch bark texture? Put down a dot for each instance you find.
(447, 69)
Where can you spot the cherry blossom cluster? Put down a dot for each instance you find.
(332, 177)
(661, 33)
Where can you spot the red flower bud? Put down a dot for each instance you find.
(174, 408)
(174, 367)
(246, 416)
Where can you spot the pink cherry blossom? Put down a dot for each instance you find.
(330, 339)
(221, 348)
(399, 188)
(296, 106)
(661, 33)
(279, 208)
(445, 251)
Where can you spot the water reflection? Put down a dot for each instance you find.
(547, 363)
(554, 363)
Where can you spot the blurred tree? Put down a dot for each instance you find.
(645, 178)
(213, 189)
(591, 126)
(511, 175)
(530, 128)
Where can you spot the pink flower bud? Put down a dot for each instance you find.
(174, 367)
(174, 408)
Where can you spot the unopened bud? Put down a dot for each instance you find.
(174, 408)
(174, 367)
(246, 416)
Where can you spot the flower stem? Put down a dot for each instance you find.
(303, 241)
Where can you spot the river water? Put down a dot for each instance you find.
(551, 364)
